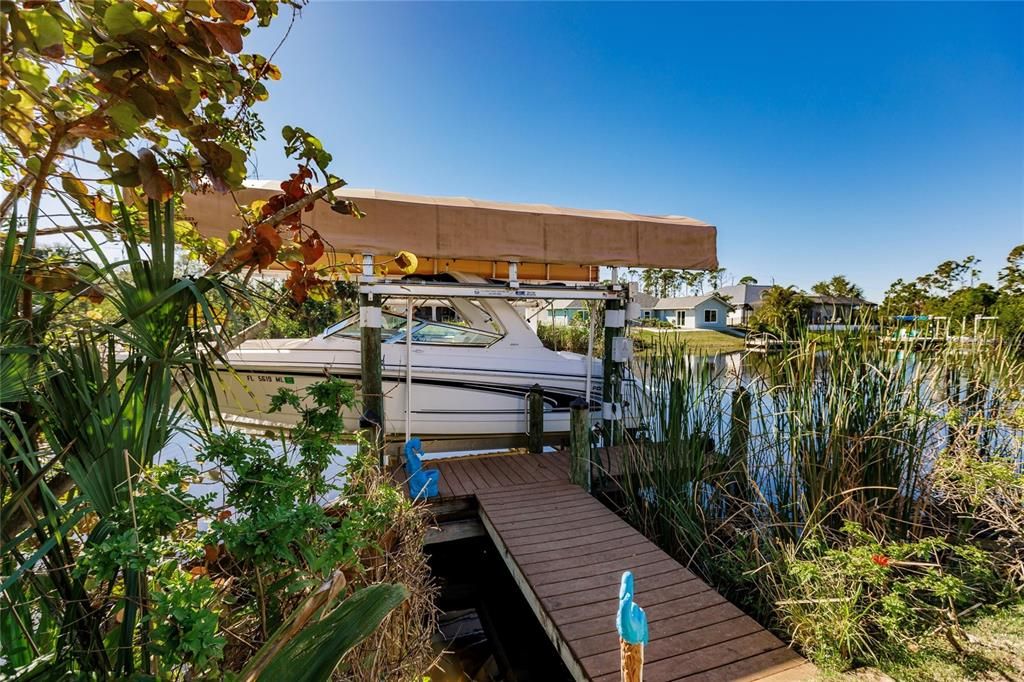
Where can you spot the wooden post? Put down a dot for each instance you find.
(579, 443)
(614, 321)
(370, 355)
(739, 439)
(631, 661)
(535, 404)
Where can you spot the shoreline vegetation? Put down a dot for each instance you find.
(863, 503)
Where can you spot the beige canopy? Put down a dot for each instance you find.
(456, 233)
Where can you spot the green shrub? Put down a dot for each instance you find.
(853, 599)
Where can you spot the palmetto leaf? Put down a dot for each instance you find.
(314, 652)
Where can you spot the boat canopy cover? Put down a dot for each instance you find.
(470, 235)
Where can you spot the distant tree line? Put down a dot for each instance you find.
(665, 283)
(953, 290)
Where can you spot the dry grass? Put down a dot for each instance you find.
(401, 648)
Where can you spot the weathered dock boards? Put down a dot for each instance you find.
(567, 552)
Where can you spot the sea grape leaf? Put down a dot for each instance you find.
(47, 33)
(228, 36)
(235, 11)
(154, 183)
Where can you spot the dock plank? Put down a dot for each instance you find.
(567, 551)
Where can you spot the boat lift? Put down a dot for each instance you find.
(374, 290)
(489, 239)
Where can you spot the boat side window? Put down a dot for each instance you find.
(450, 335)
(423, 331)
(391, 327)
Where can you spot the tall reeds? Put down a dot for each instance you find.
(745, 455)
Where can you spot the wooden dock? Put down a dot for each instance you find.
(567, 552)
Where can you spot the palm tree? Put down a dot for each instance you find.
(715, 278)
(649, 279)
(782, 310)
(839, 286)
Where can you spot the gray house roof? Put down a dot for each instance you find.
(745, 294)
(687, 302)
(645, 300)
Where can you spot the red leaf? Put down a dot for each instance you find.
(228, 36)
(267, 233)
(234, 10)
(312, 249)
(154, 182)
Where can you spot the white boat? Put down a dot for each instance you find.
(470, 374)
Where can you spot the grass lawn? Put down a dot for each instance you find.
(704, 341)
(995, 651)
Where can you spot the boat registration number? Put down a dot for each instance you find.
(273, 379)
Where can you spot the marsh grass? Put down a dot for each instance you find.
(744, 472)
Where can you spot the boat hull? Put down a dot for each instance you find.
(446, 401)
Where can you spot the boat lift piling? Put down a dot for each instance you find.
(370, 318)
(614, 323)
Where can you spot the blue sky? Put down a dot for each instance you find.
(874, 140)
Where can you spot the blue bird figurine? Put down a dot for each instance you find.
(422, 482)
(631, 619)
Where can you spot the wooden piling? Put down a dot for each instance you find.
(579, 443)
(535, 405)
(372, 368)
(739, 440)
(613, 324)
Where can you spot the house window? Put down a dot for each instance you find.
(711, 316)
(680, 318)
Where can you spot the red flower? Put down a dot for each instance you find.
(880, 559)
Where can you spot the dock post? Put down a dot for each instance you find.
(535, 405)
(370, 318)
(579, 443)
(614, 321)
(739, 440)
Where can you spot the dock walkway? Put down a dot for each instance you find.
(567, 552)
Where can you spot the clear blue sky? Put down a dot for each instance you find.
(874, 140)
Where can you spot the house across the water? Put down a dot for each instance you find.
(745, 299)
(562, 313)
(709, 311)
(837, 309)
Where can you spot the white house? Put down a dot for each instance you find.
(691, 312)
(562, 313)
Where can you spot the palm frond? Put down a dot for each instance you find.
(315, 651)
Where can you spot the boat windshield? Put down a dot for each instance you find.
(393, 329)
